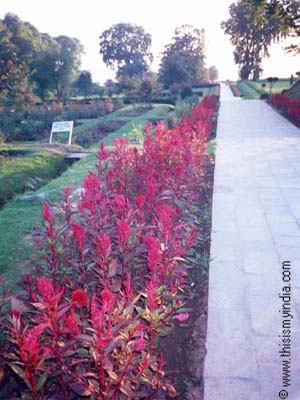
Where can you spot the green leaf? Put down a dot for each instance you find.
(42, 380)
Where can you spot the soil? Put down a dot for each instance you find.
(97, 133)
(184, 348)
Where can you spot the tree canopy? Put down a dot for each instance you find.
(35, 61)
(183, 59)
(126, 47)
(253, 26)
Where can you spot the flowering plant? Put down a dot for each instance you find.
(112, 275)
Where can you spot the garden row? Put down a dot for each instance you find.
(34, 122)
(287, 106)
(112, 277)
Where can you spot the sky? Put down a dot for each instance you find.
(87, 19)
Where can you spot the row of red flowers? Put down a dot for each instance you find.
(113, 275)
(288, 106)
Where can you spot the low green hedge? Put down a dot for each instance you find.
(28, 173)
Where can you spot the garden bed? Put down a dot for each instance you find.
(98, 132)
(148, 233)
(287, 106)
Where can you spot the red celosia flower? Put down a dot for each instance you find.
(140, 343)
(47, 214)
(45, 287)
(71, 324)
(140, 327)
(120, 201)
(79, 297)
(79, 234)
(103, 245)
(29, 350)
(108, 299)
(123, 231)
(128, 288)
(140, 201)
(97, 315)
(67, 191)
(102, 154)
(91, 183)
(152, 299)
(154, 253)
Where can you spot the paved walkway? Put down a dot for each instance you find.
(256, 227)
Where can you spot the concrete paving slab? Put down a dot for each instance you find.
(255, 228)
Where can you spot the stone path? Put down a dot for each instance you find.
(256, 227)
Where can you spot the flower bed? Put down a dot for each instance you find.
(113, 273)
(35, 122)
(289, 107)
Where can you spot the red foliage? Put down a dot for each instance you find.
(114, 273)
(288, 106)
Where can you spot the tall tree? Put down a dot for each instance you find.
(84, 83)
(183, 59)
(126, 47)
(56, 66)
(17, 49)
(252, 26)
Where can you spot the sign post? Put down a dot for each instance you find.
(62, 126)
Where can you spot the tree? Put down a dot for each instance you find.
(252, 27)
(213, 73)
(183, 59)
(31, 60)
(125, 47)
(291, 15)
(55, 67)
(14, 67)
(146, 89)
(84, 83)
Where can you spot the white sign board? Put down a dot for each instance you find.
(62, 126)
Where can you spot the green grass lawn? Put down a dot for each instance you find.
(21, 172)
(19, 216)
(254, 89)
(247, 91)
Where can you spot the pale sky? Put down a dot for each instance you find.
(87, 19)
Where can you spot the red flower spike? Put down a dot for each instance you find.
(140, 343)
(71, 324)
(97, 315)
(45, 287)
(124, 231)
(79, 235)
(154, 253)
(140, 201)
(103, 245)
(108, 299)
(46, 212)
(79, 297)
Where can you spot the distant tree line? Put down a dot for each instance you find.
(33, 63)
(126, 48)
